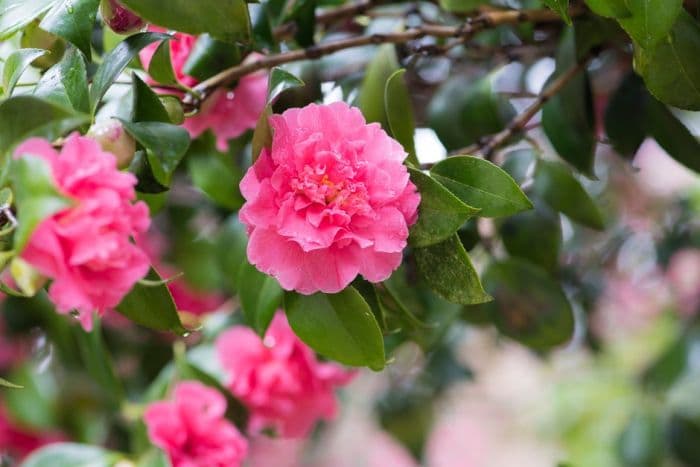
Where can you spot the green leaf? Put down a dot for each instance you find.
(303, 15)
(642, 441)
(555, 184)
(16, 14)
(561, 7)
(39, 118)
(227, 20)
(66, 83)
(152, 307)
(371, 99)
(71, 455)
(210, 56)
(447, 269)
(462, 112)
(626, 116)
(399, 112)
(72, 20)
(339, 326)
(36, 195)
(15, 65)
(567, 118)
(280, 81)
(262, 136)
(147, 106)
(116, 61)
(481, 184)
(673, 135)
(534, 235)
(260, 295)
(671, 70)
(650, 20)
(166, 145)
(7, 384)
(161, 66)
(528, 305)
(215, 173)
(609, 8)
(440, 213)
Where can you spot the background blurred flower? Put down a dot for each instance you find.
(192, 430)
(279, 378)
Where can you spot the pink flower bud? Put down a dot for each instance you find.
(119, 19)
(112, 137)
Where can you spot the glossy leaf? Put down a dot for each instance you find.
(227, 20)
(166, 145)
(338, 326)
(671, 70)
(147, 106)
(555, 184)
(66, 83)
(399, 112)
(15, 65)
(567, 118)
(262, 136)
(152, 307)
(529, 306)
(481, 184)
(650, 20)
(161, 67)
(39, 118)
(371, 99)
(116, 61)
(673, 135)
(71, 455)
(440, 213)
(215, 173)
(534, 235)
(461, 111)
(72, 20)
(260, 295)
(448, 270)
(609, 8)
(16, 14)
(626, 116)
(280, 81)
(36, 196)
(210, 56)
(561, 7)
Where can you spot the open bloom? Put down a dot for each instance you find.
(279, 378)
(329, 200)
(227, 112)
(192, 430)
(86, 248)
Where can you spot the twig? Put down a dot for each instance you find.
(330, 16)
(468, 29)
(519, 123)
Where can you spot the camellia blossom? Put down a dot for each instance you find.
(227, 112)
(279, 378)
(329, 200)
(86, 248)
(192, 429)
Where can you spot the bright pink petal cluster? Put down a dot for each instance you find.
(87, 249)
(228, 112)
(192, 430)
(329, 200)
(279, 378)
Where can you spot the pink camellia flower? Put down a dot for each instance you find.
(329, 200)
(192, 430)
(227, 112)
(279, 378)
(86, 249)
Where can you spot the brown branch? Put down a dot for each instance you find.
(519, 123)
(330, 16)
(468, 29)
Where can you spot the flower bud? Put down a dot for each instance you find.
(112, 137)
(119, 19)
(174, 108)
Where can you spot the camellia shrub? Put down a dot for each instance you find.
(217, 216)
